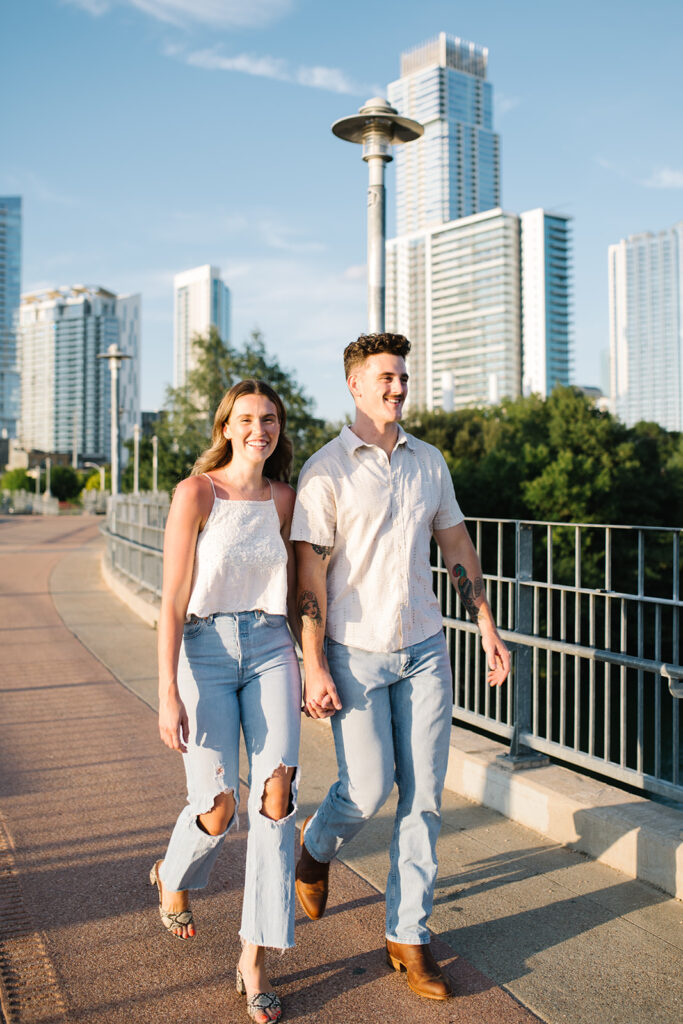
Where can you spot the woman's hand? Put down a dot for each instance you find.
(173, 724)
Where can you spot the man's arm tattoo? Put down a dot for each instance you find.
(469, 592)
(321, 550)
(309, 608)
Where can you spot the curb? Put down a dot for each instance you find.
(627, 832)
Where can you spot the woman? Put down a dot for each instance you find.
(226, 659)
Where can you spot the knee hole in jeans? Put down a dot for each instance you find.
(277, 800)
(216, 821)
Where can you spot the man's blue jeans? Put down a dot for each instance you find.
(394, 726)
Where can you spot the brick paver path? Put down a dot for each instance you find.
(88, 795)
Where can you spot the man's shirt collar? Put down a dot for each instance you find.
(352, 442)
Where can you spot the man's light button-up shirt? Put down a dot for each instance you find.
(377, 515)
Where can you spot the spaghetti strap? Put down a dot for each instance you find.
(270, 484)
(211, 482)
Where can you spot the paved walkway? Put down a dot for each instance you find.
(87, 798)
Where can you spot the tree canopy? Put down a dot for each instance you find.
(559, 459)
(184, 425)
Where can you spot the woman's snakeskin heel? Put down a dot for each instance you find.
(260, 1004)
(170, 920)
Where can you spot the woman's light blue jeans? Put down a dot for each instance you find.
(240, 669)
(394, 726)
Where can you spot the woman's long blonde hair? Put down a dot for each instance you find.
(278, 465)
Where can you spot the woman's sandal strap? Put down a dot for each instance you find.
(181, 919)
(264, 1001)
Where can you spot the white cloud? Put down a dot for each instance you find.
(318, 77)
(242, 13)
(267, 67)
(665, 177)
(504, 104)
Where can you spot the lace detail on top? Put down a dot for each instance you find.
(240, 561)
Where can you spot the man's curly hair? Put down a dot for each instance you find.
(370, 345)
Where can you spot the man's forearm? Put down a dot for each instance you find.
(312, 608)
(312, 563)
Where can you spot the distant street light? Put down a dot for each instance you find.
(96, 465)
(377, 126)
(136, 458)
(115, 357)
(48, 475)
(155, 463)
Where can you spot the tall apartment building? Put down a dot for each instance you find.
(546, 301)
(646, 328)
(453, 290)
(10, 292)
(486, 303)
(65, 388)
(483, 295)
(200, 300)
(453, 171)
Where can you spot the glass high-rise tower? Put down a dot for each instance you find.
(10, 294)
(646, 328)
(200, 300)
(65, 387)
(453, 171)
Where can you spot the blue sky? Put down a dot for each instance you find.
(149, 136)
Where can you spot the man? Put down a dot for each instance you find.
(375, 655)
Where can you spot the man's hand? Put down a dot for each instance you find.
(497, 655)
(174, 727)
(321, 699)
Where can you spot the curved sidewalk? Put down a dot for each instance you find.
(88, 796)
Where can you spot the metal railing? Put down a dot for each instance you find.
(591, 612)
(134, 531)
(593, 616)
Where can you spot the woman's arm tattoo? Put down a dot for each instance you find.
(469, 592)
(309, 608)
(321, 550)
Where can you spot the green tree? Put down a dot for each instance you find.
(559, 459)
(184, 425)
(16, 480)
(65, 483)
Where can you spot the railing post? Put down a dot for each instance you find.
(520, 755)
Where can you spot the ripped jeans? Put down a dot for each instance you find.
(240, 669)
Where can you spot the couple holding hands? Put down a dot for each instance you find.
(357, 594)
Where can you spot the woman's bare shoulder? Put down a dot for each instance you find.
(284, 496)
(194, 490)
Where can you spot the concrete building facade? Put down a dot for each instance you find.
(10, 295)
(65, 388)
(200, 300)
(454, 290)
(646, 328)
(545, 242)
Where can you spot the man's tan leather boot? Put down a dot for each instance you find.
(311, 881)
(425, 977)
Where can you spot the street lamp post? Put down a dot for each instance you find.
(48, 476)
(155, 463)
(115, 357)
(136, 458)
(378, 126)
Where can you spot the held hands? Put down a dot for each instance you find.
(320, 694)
(173, 724)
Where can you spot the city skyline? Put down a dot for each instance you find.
(210, 143)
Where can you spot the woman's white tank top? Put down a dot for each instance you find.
(240, 561)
